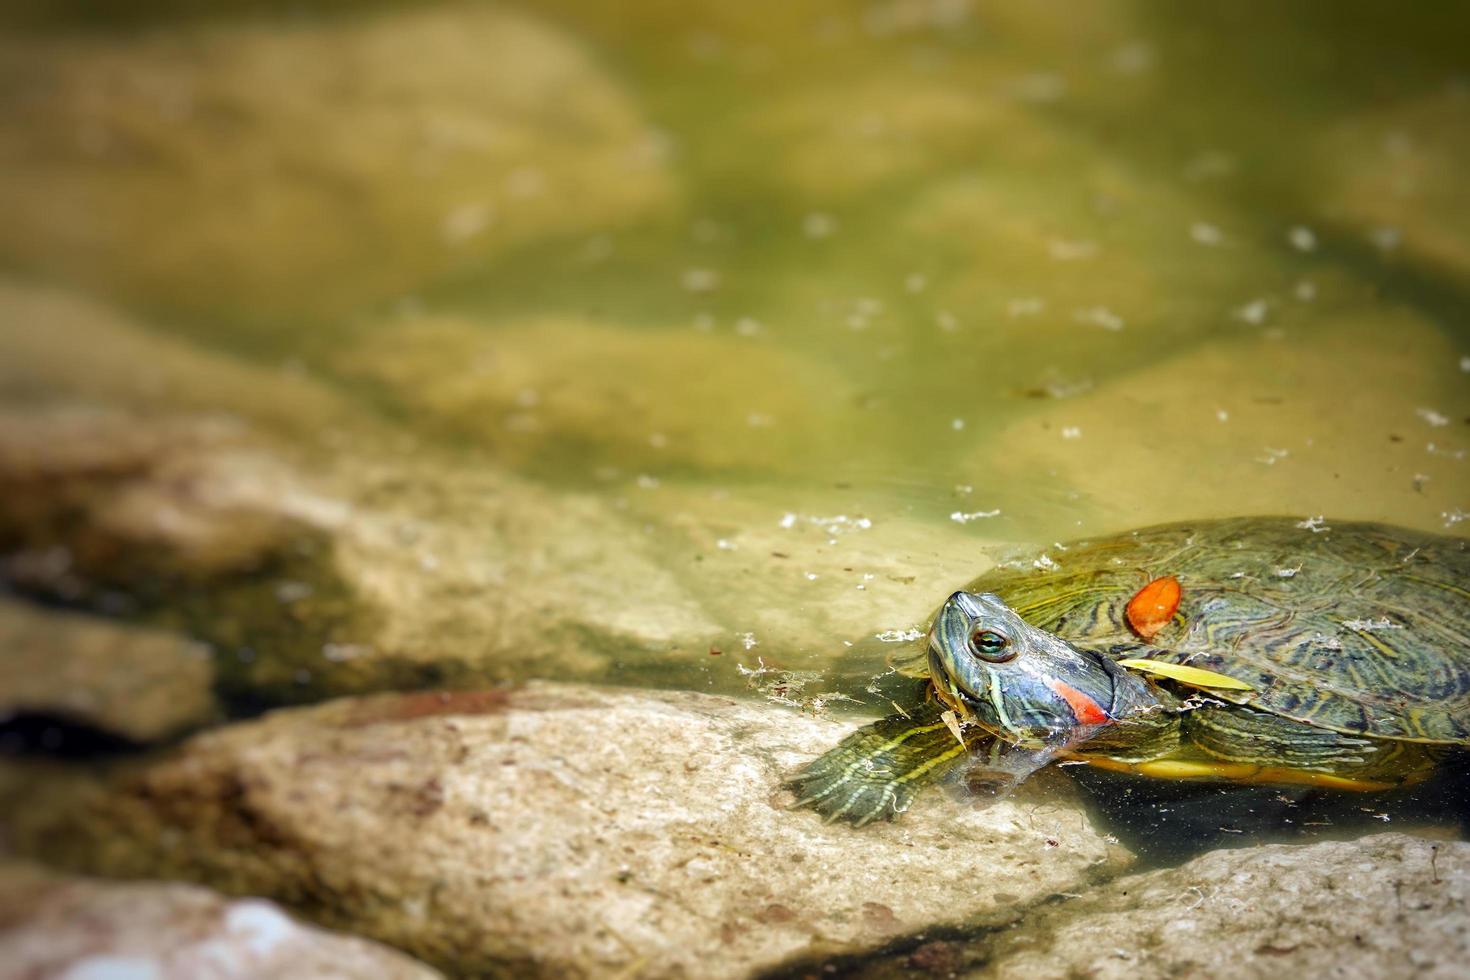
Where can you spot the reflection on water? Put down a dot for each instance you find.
(664, 344)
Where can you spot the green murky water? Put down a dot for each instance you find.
(820, 302)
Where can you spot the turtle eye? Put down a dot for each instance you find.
(992, 646)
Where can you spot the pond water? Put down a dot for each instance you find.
(721, 341)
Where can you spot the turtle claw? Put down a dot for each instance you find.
(876, 771)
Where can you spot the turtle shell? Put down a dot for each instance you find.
(1354, 627)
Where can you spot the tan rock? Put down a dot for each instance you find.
(140, 683)
(1393, 177)
(589, 393)
(566, 831)
(1379, 908)
(312, 166)
(1335, 419)
(58, 926)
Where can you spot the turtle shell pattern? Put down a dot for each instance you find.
(1353, 627)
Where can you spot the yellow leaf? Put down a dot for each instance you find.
(1193, 676)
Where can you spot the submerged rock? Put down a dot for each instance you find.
(143, 684)
(57, 926)
(314, 165)
(559, 830)
(1384, 907)
(1279, 439)
(589, 394)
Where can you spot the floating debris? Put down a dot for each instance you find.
(961, 517)
(1369, 625)
(1316, 524)
(1204, 233)
(834, 525)
(1253, 312)
(899, 636)
(1432, 417)
(1099, 316)
(1302, 238)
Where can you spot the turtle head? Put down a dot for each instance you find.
(1022, 683)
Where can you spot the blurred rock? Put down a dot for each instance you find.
(1393, 177)
(58, 926)
(563, 392)
(142, 684)
(559, 830)
(365, 573)
(1346, 415)
(310, 166)
(1380, 908)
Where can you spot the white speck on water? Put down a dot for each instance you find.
(916, 282)
(747, 326)
(962, 517)
(1066, 250)
(1453, 517)
(1222, 415)
(1465, 364)
(964, 489)
(834, 525)
(899, 636)
(646, 482)
(1272, 456)
(1288, 572)
(1431, 416)
(1133, 58)
(947, 321)
(1071, 432)
(700, 280)
(466, 222)
(957, 424)
(1205, 233)
(1385, 238)
(1025, 306)
(1210, 165)
(1253, 312)
(1305, 290)
(1099, 316)
(112, 968)
(1039, 87)
(260, 925)
(1302, 238)
(818, 224)
(525, 182)
(1046, 564)
(725, 544)
(1316, 524)
(810, 576)
(749, 641)
(1434, 449)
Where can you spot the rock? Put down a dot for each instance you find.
(559, 830)
(1390, 177)
(61, 347)
(604, 394)
(311, 166)
(142, 684)
(57, 926)
(1382, 907)
(1279, 439)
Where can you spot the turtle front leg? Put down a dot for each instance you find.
(875, 771)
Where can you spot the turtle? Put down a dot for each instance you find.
(1301, 652)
